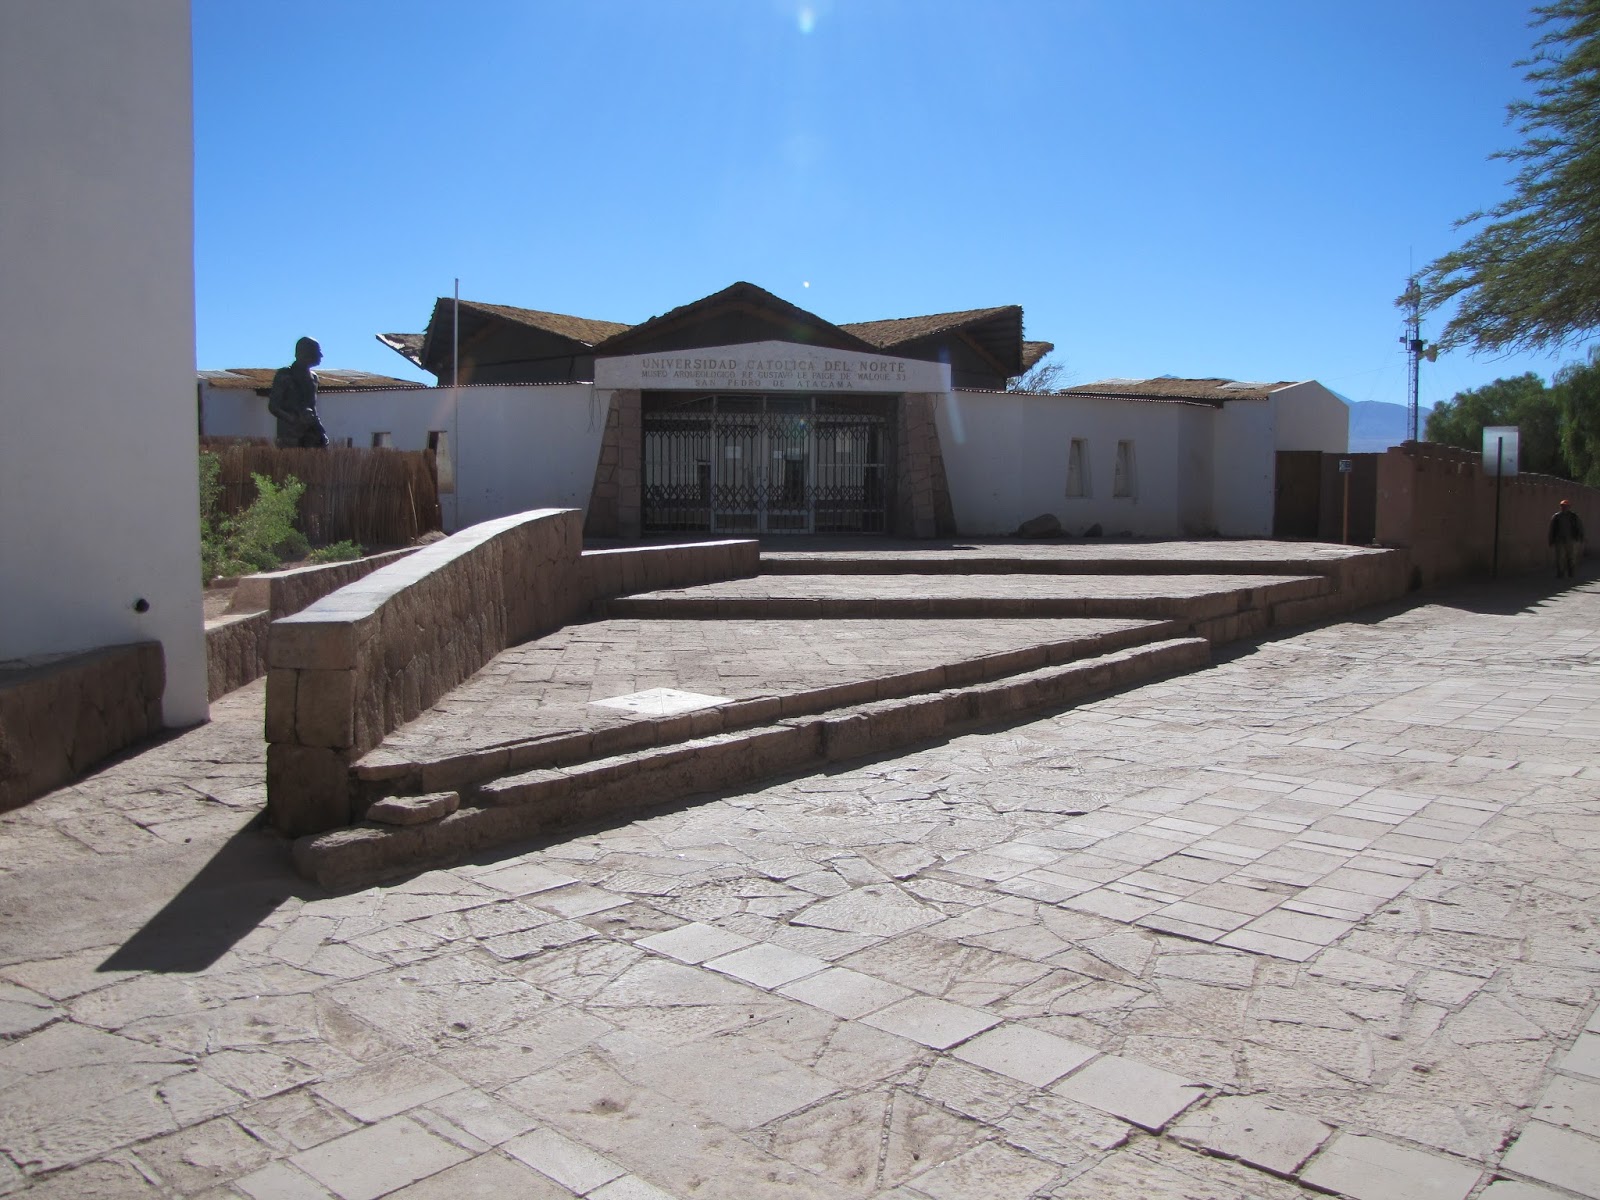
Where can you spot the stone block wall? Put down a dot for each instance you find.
(236, 646)
(1437, 503)
(360, 662)
(607, 573)
(61, 715)
(283, 592)
(922, 492)
(618, 493)
(236, 651)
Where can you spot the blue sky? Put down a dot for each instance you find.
(1233, 187)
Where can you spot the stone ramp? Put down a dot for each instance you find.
(609, 687)
(536, 803)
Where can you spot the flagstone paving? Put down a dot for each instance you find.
(1322, 915)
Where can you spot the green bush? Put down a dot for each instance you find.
(262, 536)
(346, 551)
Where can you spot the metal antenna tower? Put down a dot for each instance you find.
(1416, 351)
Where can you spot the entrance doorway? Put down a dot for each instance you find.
(766, 463)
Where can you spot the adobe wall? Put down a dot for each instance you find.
(1437, 503)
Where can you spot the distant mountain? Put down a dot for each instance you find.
(1375, 426)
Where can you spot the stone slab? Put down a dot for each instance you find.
(1556, 1156)
(1369, 1168)
(1124, 1087)
(1262, 1135)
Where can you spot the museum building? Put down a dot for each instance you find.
(742, 414)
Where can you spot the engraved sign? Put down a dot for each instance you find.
(771, 367)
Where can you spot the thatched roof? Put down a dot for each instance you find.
(740, 302)
(1032, 352)
(407, 345)
(578, 329)
(994, 332)
(896, 331)
(1193, 391)
(259, 379)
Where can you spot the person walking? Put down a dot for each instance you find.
(294, 399)
(1566, 537)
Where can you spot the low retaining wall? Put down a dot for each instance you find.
(608, 573)
(374, 654)
(62, 715)
(236, 646)
(364, 660)
(1437, 503)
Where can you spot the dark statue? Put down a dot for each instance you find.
(294, 399)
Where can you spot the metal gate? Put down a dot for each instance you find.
(766, 464)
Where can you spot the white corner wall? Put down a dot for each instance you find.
(514, 447)
(98, 486)
(1307, 416)
(1244, 468)
(1005, 456)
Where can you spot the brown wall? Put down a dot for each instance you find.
(61, 716)
(1436, 502)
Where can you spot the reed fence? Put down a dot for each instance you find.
(374, 497)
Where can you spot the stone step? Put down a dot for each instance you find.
(1190, 598)
(989, 561)
(591, 732)
(530, 804)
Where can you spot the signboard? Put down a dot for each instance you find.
(1499, 450)
(770, 367)
(1346, 466)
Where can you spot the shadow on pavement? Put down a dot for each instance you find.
(1507, 596)
(244, 882)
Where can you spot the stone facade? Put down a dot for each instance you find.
(373, 655)
(601, 519)
(922, 507)
(62, 715)
(618, 493)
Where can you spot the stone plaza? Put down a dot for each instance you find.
(1318, 917)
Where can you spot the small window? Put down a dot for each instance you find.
(1126, 482)
(383, 441)
(444, 466)
(1078, 468)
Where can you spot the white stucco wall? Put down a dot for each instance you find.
(1005, 456)
(514, 447)
(1194, 486)
(1244, 468)
(1307, 416)
(98, 486)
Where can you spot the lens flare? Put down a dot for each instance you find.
(808, 18)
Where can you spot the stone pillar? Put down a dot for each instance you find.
(922, 495)
(630, 462)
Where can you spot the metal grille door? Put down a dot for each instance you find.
(765, 464)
